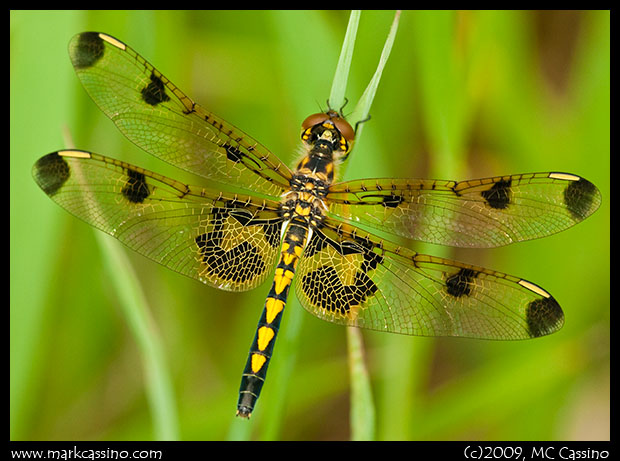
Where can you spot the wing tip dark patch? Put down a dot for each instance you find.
(579, 197)
(136, 189)
(544, 316)
(498, 196)
(155, 92)
(86, 49)
(51, 172)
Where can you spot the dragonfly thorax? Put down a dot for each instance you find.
(308, 187)
(305, 205)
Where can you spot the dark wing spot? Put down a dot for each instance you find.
(578, 197)
(544, 316)
(498, 196)
(271, 228)
(362, 289)
(348, 247)
(51, 172)
(243, 217)
(388, 201)
(233, 153)
(316, 244)
(392, 201)
(460, 284)
(237, 265)
(371, 260)
(324, 288)
(272, 234)
(136, 189)
(155, 92)
(88, 50)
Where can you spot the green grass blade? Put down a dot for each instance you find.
(135, 308)
(339, 85)
(362, 109)
(362, 405)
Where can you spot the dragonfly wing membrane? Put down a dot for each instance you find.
(353, 278)
(479, 213)
(230, 243)
(158, 117)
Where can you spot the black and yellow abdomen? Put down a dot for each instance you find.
(303, 208)
(293, 244)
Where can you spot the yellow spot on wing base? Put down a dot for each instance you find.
(273, 307)
(265, 335)
(257, 362)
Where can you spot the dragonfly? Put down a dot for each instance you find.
(303, 221)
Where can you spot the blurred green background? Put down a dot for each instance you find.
(464, 95)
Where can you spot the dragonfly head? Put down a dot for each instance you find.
(328, 131)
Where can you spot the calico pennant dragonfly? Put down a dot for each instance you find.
(302, 220)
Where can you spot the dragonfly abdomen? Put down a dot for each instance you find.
(260, 352)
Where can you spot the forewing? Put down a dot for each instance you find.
(230, 243)
(479, 213)
(353, 278)
(157, 116)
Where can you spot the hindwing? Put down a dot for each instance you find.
(354, 278)
(229, 242)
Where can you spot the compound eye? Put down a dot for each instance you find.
(314, 119)
(345, 128)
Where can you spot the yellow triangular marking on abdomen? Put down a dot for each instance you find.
(258, 361)
(265, 335)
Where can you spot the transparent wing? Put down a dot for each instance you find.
(157, 116)
(478, 213)
(230, 243)
(353, 278)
